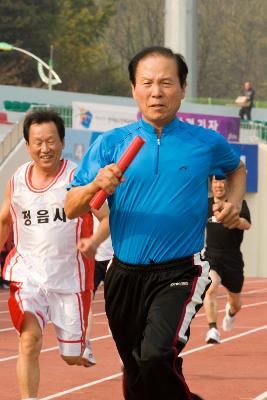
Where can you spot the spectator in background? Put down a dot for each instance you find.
(226, 262)
(245, 110)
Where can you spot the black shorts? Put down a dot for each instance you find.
(100, 272)
(229, 266)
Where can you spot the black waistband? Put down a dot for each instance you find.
(184, 261)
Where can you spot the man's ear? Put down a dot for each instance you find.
(184, 89)
(133, 91)
(27, 146)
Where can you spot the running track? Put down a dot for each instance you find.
(234, 370)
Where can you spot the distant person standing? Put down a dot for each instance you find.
(245, 110)
(226, 262)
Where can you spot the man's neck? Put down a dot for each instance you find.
(41, 177)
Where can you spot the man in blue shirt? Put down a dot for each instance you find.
(158, 212)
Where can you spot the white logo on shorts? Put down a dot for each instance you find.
(179, 284)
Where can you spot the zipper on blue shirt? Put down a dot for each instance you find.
(157, 161)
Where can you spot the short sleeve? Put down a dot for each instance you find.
(92, 161)
(225, 159)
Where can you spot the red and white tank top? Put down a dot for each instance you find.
(45, 239)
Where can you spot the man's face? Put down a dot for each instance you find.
(45, 146)
(157, 89)
(218, 188)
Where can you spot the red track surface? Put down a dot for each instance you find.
(234, 370)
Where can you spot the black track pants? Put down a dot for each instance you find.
(150, 309)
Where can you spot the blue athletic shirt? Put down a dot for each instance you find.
(159, 213)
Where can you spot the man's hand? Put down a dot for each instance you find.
(108, 178)
(227, 214)
(87, 247)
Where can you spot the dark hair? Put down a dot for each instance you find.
(40, 117)
(217, 178)
(182, 69)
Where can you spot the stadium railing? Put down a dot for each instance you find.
(64, 111)
(253, 132)
(250, 131)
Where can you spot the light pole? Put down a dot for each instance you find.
(180, 34)
(52, 79)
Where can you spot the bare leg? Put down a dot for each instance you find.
(234, 299)
(232, 307)
(28, 371)
(210, 301)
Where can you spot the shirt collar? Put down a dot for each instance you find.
(175, 123)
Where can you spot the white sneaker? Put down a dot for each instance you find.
(228, 321)
(88, 355)
(213, 336)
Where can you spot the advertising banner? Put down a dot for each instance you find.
(101, 117)
(227, 126)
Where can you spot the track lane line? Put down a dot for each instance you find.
(86, 385)
(229, 339)
(54, 348)
(107, 378)
(262, 396)
(197, 316)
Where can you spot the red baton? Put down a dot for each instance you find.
(123, 163)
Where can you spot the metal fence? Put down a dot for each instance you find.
(13, 138)
(253, 132)
(250, 131)
(64, 111)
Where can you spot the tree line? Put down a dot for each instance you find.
(93, 41)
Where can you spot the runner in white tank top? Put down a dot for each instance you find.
(50, 278)
(45, 240)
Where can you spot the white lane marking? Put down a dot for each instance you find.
(222, 296)
(197, 316)
(262, 396)
(86, 385)
(243, 306)
(54, 348)
(206, 346)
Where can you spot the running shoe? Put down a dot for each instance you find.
(88, 355)
(228, 321)
(213, 336)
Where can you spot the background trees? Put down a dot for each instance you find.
(30, 25)
(232, 47)
(93, 41)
